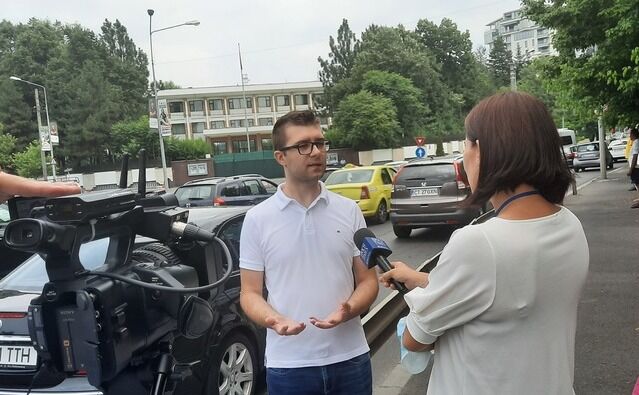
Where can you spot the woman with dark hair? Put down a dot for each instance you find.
(500, 308)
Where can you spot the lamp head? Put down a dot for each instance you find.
(192, 23)
(15, 78)
(150, 12)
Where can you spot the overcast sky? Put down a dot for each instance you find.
(280, 39)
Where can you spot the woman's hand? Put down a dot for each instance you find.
(403, 273)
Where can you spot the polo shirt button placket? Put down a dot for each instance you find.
(308, 222)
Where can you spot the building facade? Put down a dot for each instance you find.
(520, 33)
(222, 117)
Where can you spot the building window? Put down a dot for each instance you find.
(216, 105)
(178, 128)
(264, 101)
(282, 101)
(217, 125)
(196, 105)
(301, 100)
(236, 103)
(265, 121)
(241, 146)
(197, 127)
(219, 147)
(267, 144)
(239, 123)
(317, 100)
(176, 106)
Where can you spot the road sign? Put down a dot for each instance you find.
(420, 141)
(53, 133)
(165, 124)
(420, 152)
(45, 138)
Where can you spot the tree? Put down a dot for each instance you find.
(598, 60)
(366, 121)
(411, 112)
(15, 114)
(164, 85)
(7, 148)
(339, 63)
(177, 149)
(28, 162)
(132, 135)
(500, 62)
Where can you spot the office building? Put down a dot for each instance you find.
(217, 114)
(519, 32)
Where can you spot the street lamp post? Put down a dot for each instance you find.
(46, 110)
(155, 88)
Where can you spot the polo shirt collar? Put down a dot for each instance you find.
(283, 200)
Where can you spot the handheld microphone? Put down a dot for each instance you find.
(374, 252)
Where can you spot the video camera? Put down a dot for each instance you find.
(124, 315)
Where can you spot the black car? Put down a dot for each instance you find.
(242, 190)
(231, 354)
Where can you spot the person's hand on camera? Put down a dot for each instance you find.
(285, 326)
(403, 273)
(342, 314)
(11, 186)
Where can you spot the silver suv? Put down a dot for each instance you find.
(430, 192)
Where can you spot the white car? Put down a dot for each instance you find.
(617, 149)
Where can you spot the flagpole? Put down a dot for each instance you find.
(248, 141)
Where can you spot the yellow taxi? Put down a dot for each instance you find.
(369, 186)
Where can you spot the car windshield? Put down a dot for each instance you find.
(436, 173)
(566, 140)
(31, 275)
(349, 177)
(195, 192)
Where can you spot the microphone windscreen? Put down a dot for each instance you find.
(359, 236)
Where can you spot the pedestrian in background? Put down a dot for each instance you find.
(500, 307)
(633, 169)
(299, 245)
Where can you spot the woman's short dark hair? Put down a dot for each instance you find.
(634, 132)
(518, 143)
(298, 118)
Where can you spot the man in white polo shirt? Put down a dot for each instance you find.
(299, 243)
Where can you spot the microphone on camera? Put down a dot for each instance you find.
(374, 251)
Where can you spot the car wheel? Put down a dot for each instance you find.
(577, 169)
(234, 368)
(381, 215)
(611, 165)
(403, 232)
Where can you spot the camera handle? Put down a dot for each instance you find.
(164, 370)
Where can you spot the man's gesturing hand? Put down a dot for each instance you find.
(11, 186)
(342, 314)
(284, 326)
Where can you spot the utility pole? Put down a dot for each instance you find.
(602, 147)
(248, 141)
(42, 154)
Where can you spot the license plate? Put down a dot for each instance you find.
(424, 192)
(589, 156)
(18, 357)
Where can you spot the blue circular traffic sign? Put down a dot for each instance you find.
(420, 152)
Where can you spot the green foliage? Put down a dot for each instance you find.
(366, 121)
(93, 81)
(598, 60)
(28, 163)
(178, 149)
(164, 85)
(411, 112)
(7, 148)
(500, 62)
(132, 135)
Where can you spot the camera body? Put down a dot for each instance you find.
(118, 316)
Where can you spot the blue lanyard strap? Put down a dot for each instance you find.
(513, 198)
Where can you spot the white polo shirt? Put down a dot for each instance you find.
(306, 255)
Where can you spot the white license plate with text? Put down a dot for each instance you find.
(18, 357)
(424, 192)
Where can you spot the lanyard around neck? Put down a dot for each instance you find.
(513, 198)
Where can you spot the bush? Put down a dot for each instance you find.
(28, 163)
(177, 149)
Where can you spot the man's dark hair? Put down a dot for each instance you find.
(518, 143)
(297, 118)
(634, 132)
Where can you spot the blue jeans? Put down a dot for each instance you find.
(350, 377)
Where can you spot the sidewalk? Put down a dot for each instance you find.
(607, 345)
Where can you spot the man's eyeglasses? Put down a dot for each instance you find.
(306, 148)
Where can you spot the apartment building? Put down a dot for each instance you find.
(217, 114)
(519, 32)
